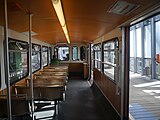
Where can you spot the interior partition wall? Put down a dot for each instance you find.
(145, 47)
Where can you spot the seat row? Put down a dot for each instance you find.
(49, 84)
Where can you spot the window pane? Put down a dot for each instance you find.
(97, 56)
(63, 53)
(83, 51)
(110, 57)
(131, 44)
(18, 61)
(109, 71)
(139, 49)
(36, 63)
(147, 41)
(131, 50)
(74, 53)
(147, 48)
(44, 56)
(139, 42)
(109, 46)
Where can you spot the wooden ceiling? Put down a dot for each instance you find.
(86, 19)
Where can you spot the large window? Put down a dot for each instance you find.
(36, 55)
(110, 58)
(44, 55)
(75, 53)
(63, 53)
(18, 59)
(97, 57)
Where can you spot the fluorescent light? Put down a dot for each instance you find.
(65, 29)
(59, 11)
(67, 38)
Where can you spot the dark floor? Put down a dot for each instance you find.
(80, 103)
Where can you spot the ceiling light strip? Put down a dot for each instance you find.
(59, 11)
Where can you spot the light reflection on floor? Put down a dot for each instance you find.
(144, 92)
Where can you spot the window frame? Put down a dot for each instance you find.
(116, 56)
(27, 51)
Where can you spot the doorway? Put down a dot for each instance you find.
(144, 96)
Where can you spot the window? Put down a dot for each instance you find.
(44, 55)
(97, 57)
(75, 53)
(110, 58)
(36, 55)
(83, 53)
(63, 53)
(18, 59)
(49, 55)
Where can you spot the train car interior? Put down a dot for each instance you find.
(80, 59)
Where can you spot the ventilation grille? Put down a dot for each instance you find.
(27, 33)
(122, 8)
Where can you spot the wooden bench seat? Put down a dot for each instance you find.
(19, 102)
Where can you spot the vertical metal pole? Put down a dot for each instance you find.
(125, 74)
(153, 48)
(7, 78)
(30, 64)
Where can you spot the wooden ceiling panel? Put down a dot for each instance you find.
(42, 26)
(86, 19)
(51, 37)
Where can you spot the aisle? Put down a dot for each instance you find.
(80, 103)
